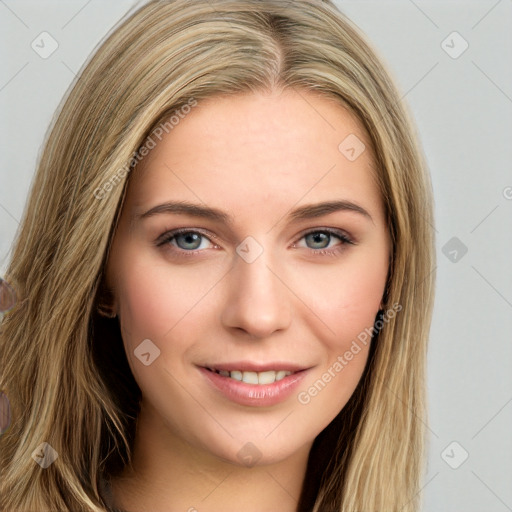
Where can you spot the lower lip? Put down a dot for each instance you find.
(256, 395)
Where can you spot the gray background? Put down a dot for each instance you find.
(462, 103)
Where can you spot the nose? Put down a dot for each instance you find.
(257, 301)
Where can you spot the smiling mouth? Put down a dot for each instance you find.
(249, 377)
(255, 384)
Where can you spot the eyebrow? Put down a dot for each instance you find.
(309, 211)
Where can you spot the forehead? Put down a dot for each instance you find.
(241, 152)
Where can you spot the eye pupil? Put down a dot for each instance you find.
(318, 240)
(188, 241)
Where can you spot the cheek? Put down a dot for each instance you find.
(346, 297)
(153, 299)
(147, 307)
(354, 303)
(156, 302)
(345, 308)
(164, 307)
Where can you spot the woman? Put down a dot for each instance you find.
(223, 274)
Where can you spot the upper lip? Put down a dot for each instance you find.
(248, 366)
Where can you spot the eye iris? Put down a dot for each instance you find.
(318, 240)
(188, 241)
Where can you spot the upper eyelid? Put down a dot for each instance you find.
(332, 231)
(170, 233)
(340, 233)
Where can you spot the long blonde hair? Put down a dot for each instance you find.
(63, 366)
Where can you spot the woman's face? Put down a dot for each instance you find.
(251, 252)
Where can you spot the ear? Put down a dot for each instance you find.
(105, 301)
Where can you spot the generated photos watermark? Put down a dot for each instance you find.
(149, 144)
(363, 338)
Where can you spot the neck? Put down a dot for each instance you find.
(168, 474)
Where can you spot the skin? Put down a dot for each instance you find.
(255, 157)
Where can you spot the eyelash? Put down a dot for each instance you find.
(168, 236)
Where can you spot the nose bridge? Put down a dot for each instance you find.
(259, 282)
(257, 300)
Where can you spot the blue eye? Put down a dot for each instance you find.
(185, 240)
(188, 241)
(323, 239)
(318, 240)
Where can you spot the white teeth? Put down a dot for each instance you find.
(267, 377)
(281, 374)
(262, 378)
(250, 377)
